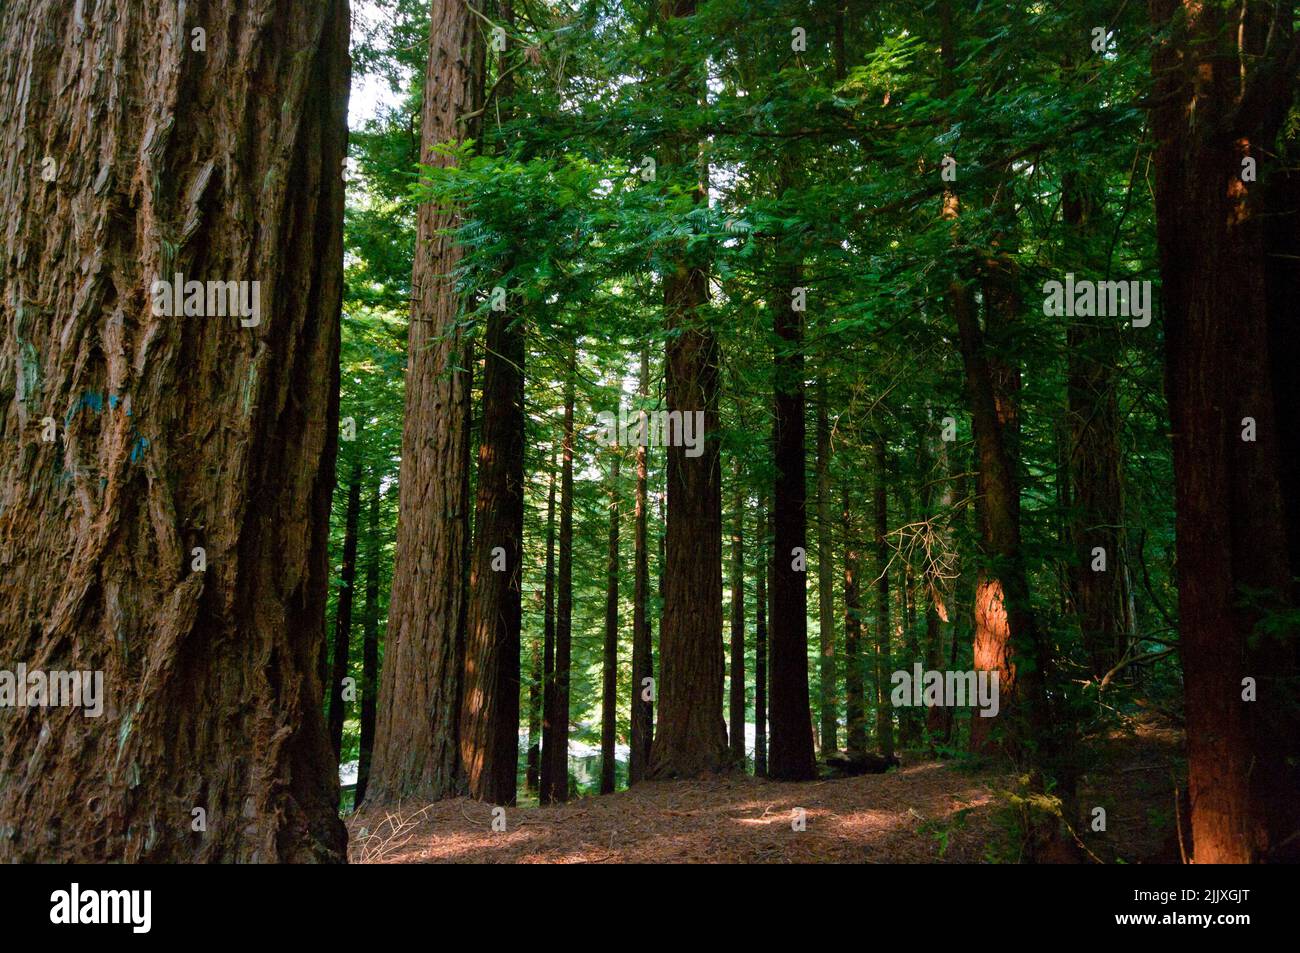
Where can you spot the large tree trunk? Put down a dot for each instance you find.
(691, 736)
(737, 697)
(343, 614)
(642, 719)
(555, 726)
(417, 740)
(370, 645)
(825, 579)
(609, 671)
(1237, 69)
(177, 432)
(791, 755)
(489, 730)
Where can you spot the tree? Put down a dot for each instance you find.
(691, 736)
(201, 599)
(370, 645)
(1237, 65)
(555, 725)
(825, 579)
(343, 618)
(417, 739)
(790, 757)
(737, 696)
(884, 662)
(642, 720)
(609, 691)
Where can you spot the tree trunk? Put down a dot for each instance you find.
(737, 712)
(370, 645)
(825, 579)
(691, 736)
(935, 577)
(609, 700)
(417, 739)
(763, 551)
(791, 756)
(343, 616)
(548, 627)
(532, 767)
(1094, 466)
(1237, 67)
(176, 432)
(642, 720)
(489, 731)
(555, 741)
(884, 661)
(855, 714)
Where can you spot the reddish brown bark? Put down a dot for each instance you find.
(417, 738)
(691, 736)
(489, 729)
(173, 432)
(1236, 65)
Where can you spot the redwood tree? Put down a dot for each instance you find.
(174, 535)
(691, 736)
(417, 739)
(1224, 79)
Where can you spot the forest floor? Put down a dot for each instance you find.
(929, 811)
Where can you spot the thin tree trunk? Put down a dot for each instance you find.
(417, 741)
(343, 615)
(855, 713)
(369, 644)
(737, 712)
(548, 632)
(177, 433)
(555, 744)
(884, 661)
(609, 699)
(825, 579)
(791, 755)
(642, 721)
(1093, 459)
(763, 551)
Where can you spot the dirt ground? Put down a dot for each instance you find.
(926, 812)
